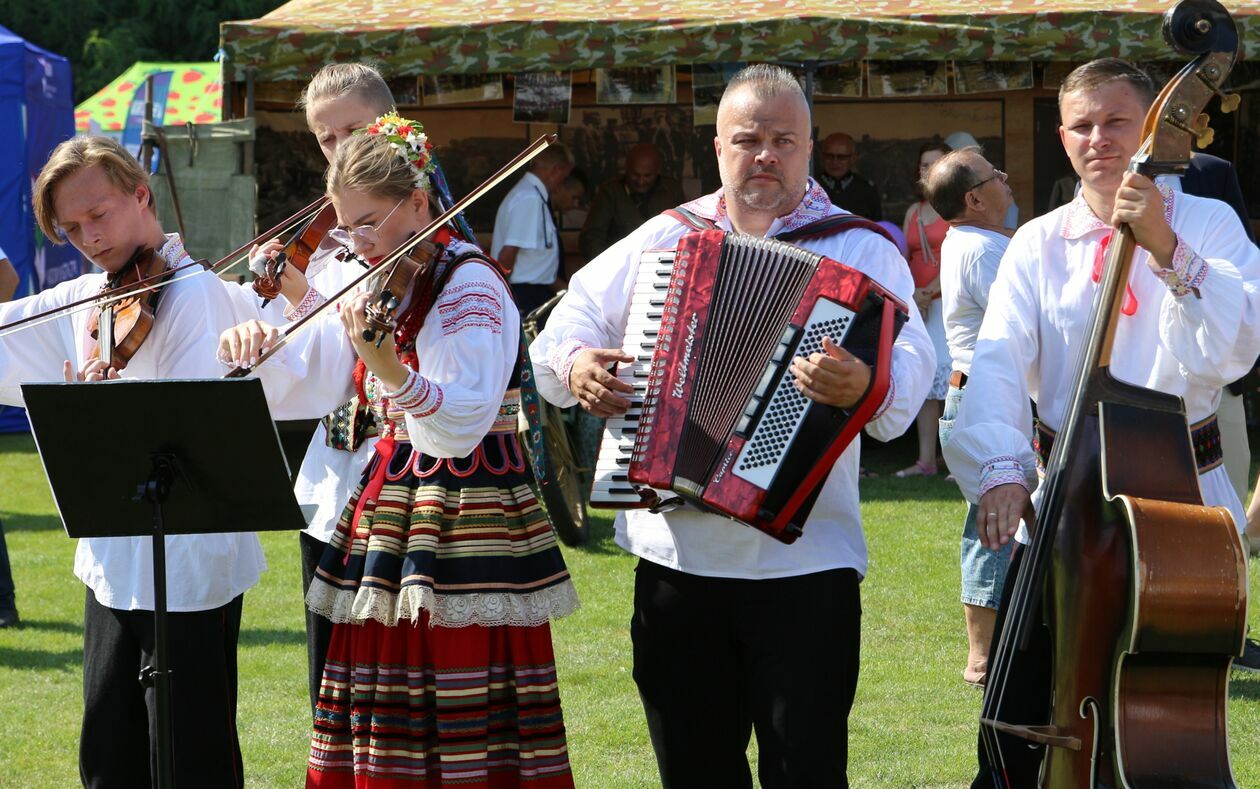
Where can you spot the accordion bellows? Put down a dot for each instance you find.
(722, 426)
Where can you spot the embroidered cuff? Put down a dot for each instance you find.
(562, 358)
(1187, 273)
(1002, 470)
(310, 301)
(417, 396)
(888, 399)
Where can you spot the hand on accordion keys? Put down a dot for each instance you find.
(836, 377)
(594, 386)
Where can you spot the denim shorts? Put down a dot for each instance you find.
(983, 570)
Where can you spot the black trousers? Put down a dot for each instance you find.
(718, 658)
(318, 629)
(1006, 761)
(118, 743)
(530, 297)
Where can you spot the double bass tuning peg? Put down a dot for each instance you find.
(1198, 128)
(1229, 101)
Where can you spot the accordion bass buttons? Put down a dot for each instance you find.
(776, 368)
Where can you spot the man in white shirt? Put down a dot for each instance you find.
(732, 630)
(1189, 325)
(96, 193)
(526, 241)
(972, 195)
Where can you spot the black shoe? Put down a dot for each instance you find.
(9, 618)
(1250, 660)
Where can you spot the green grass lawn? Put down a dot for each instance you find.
(913, 724)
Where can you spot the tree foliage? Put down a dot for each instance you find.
(103, 37)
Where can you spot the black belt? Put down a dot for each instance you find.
(958, 379)
(1205, 436)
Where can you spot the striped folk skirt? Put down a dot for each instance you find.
(441, 579)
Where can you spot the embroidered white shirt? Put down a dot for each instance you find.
(594, 313)
(1039, 307)
(204, 571)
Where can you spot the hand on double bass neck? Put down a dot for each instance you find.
(833, 376)
(1140, 205)
(596, 388)
(999, 512)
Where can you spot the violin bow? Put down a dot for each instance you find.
(165, 278)
(405, 248)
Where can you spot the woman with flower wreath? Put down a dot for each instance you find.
(443, 574)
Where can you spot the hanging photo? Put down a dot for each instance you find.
(462, 88)
(839, 79)
(650, 85)
(708, 81)
(406, 91)
(989, 76)
(542, 97)
(1055, 72)
(906, 78)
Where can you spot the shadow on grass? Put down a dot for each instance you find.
(28, 522)
(51, 626)
(266, 636)
(1244, 685)
(41, 659)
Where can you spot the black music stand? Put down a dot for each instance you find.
(183, 457)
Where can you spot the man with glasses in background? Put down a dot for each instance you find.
(526, 241)
(973, 197)
(846, 188)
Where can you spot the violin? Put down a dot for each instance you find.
(1136, 589)
(297, 253)
(406, 279)
(162, 278)
(389, 303)
(121, 327)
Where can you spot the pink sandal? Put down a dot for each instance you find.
(917, 470)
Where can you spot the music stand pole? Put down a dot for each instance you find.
(156, 675)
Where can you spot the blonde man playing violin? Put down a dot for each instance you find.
(95, 195)
(1190, 325)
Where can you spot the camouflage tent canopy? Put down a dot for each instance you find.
(505, 36)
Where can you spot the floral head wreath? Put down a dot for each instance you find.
(409, 141)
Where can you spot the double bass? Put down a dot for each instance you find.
(1140, 587)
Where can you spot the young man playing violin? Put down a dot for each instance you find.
(95, 195)
(1189, 325)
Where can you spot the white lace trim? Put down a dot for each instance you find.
(459, 610)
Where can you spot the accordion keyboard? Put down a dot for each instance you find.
(611, 486)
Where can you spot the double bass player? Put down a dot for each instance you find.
(1190, 323)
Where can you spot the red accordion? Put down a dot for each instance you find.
(722, 424)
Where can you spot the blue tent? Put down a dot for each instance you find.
(36, 113)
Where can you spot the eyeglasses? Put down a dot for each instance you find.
(996, 174)
(366, 235)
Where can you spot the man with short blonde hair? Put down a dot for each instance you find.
(94, 194)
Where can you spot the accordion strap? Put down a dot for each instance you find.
(834, 225)
(691, 219)
(827, 226)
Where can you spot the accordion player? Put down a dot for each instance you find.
(716, 422)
